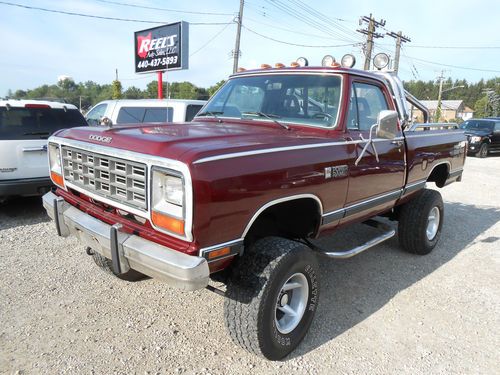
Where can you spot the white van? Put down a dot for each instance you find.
(25, 126)
(133, 111)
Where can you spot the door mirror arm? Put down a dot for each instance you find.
(369, 142)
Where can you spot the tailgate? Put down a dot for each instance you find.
(23, 159)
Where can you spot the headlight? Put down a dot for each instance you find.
(475, 139)
(167, 202)
(55, 164)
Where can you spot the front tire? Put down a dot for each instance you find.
(420, 222)
(272, 297)
(483, 151)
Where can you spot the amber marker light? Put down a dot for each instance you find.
(219, 253)
(294, 64)
(279, 65)
(57, 179)
(167, 222)
(240, 70)
(265, 66)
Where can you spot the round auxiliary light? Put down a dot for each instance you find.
(348, 61)
(328, 60)
(381, 60)
(302, 61)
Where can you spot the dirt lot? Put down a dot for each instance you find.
(383, 311)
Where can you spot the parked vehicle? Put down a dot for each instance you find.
(276, 158)
(483, 136)
(25, 126)
(133, 111)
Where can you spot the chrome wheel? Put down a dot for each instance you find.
(291, 303)
(433, 223)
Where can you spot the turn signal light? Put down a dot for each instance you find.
(265, 66)
(167, 222)
(57, 179)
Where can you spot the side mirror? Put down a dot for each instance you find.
(387, 124)
(106, 121)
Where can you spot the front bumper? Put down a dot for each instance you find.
(128, 251)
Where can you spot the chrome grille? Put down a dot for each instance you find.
(121, 180)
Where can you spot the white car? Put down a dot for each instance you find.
(25, 126)
(133, 111)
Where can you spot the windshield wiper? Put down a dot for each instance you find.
(269, 116)
(41, 134)
(210, 113)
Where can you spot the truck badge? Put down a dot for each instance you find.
(100, 138)
(336, 172)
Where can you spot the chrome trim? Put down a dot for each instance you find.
(333, 216)
(150, 161)
(173, 267)
(35, 149)
(418, 134)
(435, 125)
(281, 200)
(287, 148)
(414, 186)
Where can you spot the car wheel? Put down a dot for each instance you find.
(272, 296)
(420, 222)
(107, 266)
(483, 151)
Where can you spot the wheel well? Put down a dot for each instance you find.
(439, 175)
(296, 218)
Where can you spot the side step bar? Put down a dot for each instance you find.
(388, 233)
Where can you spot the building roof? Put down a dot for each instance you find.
(445, 104)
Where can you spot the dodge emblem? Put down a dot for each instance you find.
(100, 138)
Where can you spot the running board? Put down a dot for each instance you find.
(388, 233)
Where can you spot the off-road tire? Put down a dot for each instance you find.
(413, 221)
(107, 266)
(483, 151)
(253, 290)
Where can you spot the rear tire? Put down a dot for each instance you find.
(420, 222)
(272, 297)
(107, 266)
(483, 151)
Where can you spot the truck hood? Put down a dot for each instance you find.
(188, 142)
(480, 133)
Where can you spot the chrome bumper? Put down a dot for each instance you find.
(128, 251)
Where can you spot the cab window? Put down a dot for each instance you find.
(367, 101)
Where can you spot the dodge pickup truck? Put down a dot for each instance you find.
(277, 158)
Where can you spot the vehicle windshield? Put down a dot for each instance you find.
(36, 123)
(311, 100)
(477, 125)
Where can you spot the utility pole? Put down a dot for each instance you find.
(438, 107)
(370, 35)
(400, 38)
(236, 52)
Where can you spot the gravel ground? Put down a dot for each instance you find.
(381, 312)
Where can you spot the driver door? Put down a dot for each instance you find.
(373, 185)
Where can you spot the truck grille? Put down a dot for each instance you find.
(117, 179)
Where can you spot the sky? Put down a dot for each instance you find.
(40, 46)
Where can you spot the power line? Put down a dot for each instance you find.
(163, 9)
(210, 40)
(103, 17)
(294, 44)
(452, 66)
(457, 47)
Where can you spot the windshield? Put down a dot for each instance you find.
(311, 100)
(477, 125)
(36, 123)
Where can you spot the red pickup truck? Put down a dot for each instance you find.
(277, 158)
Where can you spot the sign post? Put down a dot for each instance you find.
(161, 49)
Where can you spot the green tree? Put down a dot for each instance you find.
(116, 87)
(133, 93)
(481, 108)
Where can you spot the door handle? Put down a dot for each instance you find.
(397, 143)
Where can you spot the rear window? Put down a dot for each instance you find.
(191, 111)
(36, 123)
(131, 115)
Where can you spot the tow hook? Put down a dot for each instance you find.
(89, 250)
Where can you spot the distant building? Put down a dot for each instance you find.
(450, 110)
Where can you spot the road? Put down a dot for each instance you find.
(382, 312)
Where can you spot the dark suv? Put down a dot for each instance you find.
(483, 136)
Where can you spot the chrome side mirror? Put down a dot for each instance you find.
(106, 121)
(387, 124)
